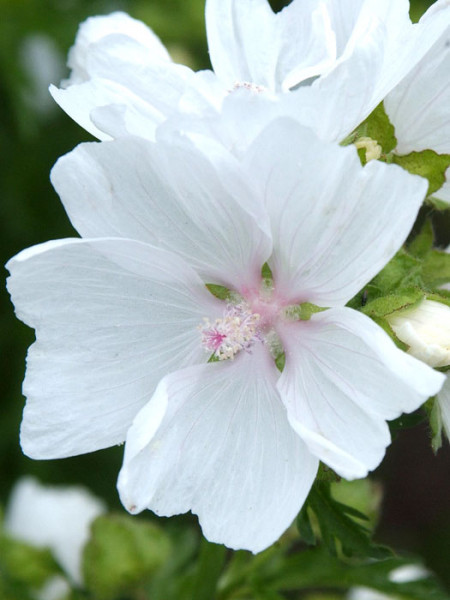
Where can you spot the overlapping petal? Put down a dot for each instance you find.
(335, 224)
(112, 317)
(418, 106)
(215, 439)
(171, 195)
(382, 47)
(343, 378)
(95, 29)
(249, 43)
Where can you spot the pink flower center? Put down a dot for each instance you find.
(238, 329)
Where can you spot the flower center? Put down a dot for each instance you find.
(247, 85)
(238, 329)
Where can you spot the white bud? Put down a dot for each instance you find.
(426, 330)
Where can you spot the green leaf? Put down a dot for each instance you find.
(427, 164)
(339, 531)
(423, 242)
(210, 563)
(436, 268)
(378, 127)
(122, 554)
(316, 568)
(305, 527)
(403, 270)
(26, 564)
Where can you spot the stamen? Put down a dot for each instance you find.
(237, 330)
(372, 148)
(247, 85)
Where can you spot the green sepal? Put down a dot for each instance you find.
(280, 361)
(266, 271)
(427, 164)
(219, 291)
(122, 554)
(402, 300)
(335, 521)
(439, 296)
(378, 127)
(304, 311)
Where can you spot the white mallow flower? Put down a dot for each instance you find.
(426, 330)
(58, 518)
(125, 325)
(418, 106)
(326, 62)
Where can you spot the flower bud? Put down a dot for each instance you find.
(426, 330)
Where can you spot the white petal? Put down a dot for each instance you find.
(123, 60)
(173, 196)
(215, 440)
(249, 43)
(55, 517)
(444, 405)
(96, 28)
(79, 102)
(320, 200)
(426, 330)
(343, 378)
(112, 317)
(418, 106)
(121, 71)
(382, 48)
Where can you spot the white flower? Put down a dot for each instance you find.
(418, 106)
(426, 330)
(327, 64)
(125, 325)
(53, 517)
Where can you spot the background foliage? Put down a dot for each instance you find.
(34, 132)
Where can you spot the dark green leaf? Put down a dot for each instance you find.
(209, 567)
(317, 569)
(305, 527)
(338, 529)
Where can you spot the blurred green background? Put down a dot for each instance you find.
(35, 36)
